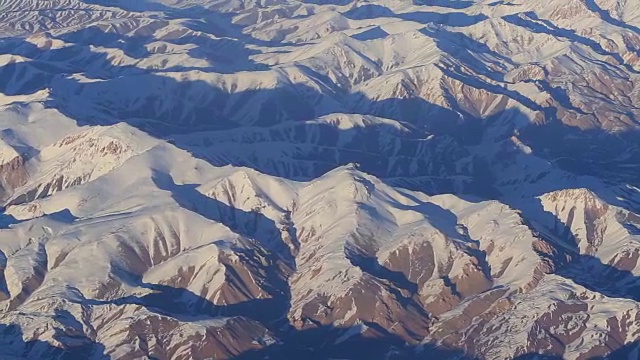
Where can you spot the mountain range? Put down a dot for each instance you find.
(320, 179)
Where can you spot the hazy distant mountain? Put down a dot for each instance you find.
(383, 179)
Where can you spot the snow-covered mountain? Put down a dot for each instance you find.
(288, 179)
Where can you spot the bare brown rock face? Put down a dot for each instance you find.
(12, 175)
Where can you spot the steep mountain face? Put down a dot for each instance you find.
(252, 179)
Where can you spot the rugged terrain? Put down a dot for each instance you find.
(252, 179)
